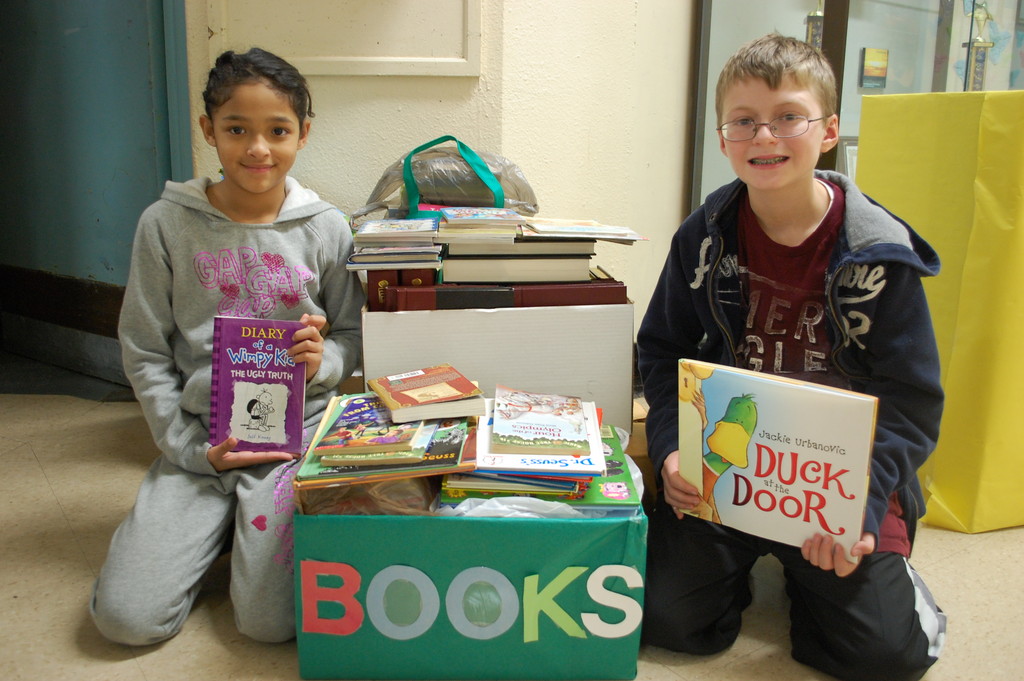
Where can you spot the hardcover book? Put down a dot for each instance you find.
(361, 423)
(439, 391)
(465, 296)
(513, 269)
(775, 457)
(257, 392)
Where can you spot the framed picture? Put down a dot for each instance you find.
(874, 66)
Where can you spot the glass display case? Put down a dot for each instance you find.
(876, 47)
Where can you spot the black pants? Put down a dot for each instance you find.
(878, 623)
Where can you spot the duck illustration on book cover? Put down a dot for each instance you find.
(772, 456)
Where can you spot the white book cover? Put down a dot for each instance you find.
(587, 463)
(775, 457)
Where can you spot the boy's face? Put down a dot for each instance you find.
(257, 135)
(767, 163)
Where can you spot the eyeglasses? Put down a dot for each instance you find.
(790, 125)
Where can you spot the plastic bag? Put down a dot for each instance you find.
(449, 176)
(402, 496)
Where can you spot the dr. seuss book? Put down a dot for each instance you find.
(584, 463)
(538, 423)
(257, 392)
(775, 457)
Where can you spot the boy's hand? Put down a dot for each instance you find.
(222, 458)
(679, 494)
(821, 551)
(309, 344)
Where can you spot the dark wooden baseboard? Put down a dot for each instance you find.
(80, 304)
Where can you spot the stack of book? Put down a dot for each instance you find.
(547, 446)
(395, 244)
(486, 257)
(395, 251)
(357, 442)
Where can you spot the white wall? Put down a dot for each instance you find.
(589, 97)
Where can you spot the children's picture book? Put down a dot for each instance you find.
(257, 392)
(538, 423)
(391, 231)
(361, 423)
(438, 391)
(460, 215)
(773, 456)
(611, 494)
(584, 463)
(452, 449)
(418, 448)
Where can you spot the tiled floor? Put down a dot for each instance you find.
(74, 451)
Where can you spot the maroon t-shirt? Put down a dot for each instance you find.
(786, 330)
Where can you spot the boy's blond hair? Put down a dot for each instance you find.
(773, 57)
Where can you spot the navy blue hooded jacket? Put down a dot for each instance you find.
(879, 324)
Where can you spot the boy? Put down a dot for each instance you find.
(791, 271)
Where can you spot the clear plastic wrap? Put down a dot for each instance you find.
(443, 177)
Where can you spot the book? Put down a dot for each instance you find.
(582, 464)
(461, 216)
(396, 254)
(464, 296)
(257, 392)
(393, 231)
(515, 269)
(452, 449)
(773, 456)
(360, 423)
(524, 246)
(614, 493)
(578, 229)
(417, 449)
(538, 423)
(379, 280)
(394, 265)
(439, 391)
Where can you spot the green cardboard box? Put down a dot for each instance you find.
(402, 597)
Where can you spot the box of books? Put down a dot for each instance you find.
(412, 597)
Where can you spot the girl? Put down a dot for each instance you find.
(255, 244)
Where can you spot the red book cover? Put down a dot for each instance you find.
(462, 296)
(257, 392)
(377, 282)
(416, 277)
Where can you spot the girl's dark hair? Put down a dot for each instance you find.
(257, 66)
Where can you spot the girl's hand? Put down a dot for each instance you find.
(222, 458)
(822, 551)
(309, 344)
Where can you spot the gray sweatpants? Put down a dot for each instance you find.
(161, 551)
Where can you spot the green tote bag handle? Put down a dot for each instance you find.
(469, 156)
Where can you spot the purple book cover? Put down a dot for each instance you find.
(257, 392)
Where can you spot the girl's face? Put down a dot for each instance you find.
(257, 135)
(767, 163)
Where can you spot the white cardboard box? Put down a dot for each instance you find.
(581, 350)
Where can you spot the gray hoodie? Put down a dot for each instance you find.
(191, 262)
